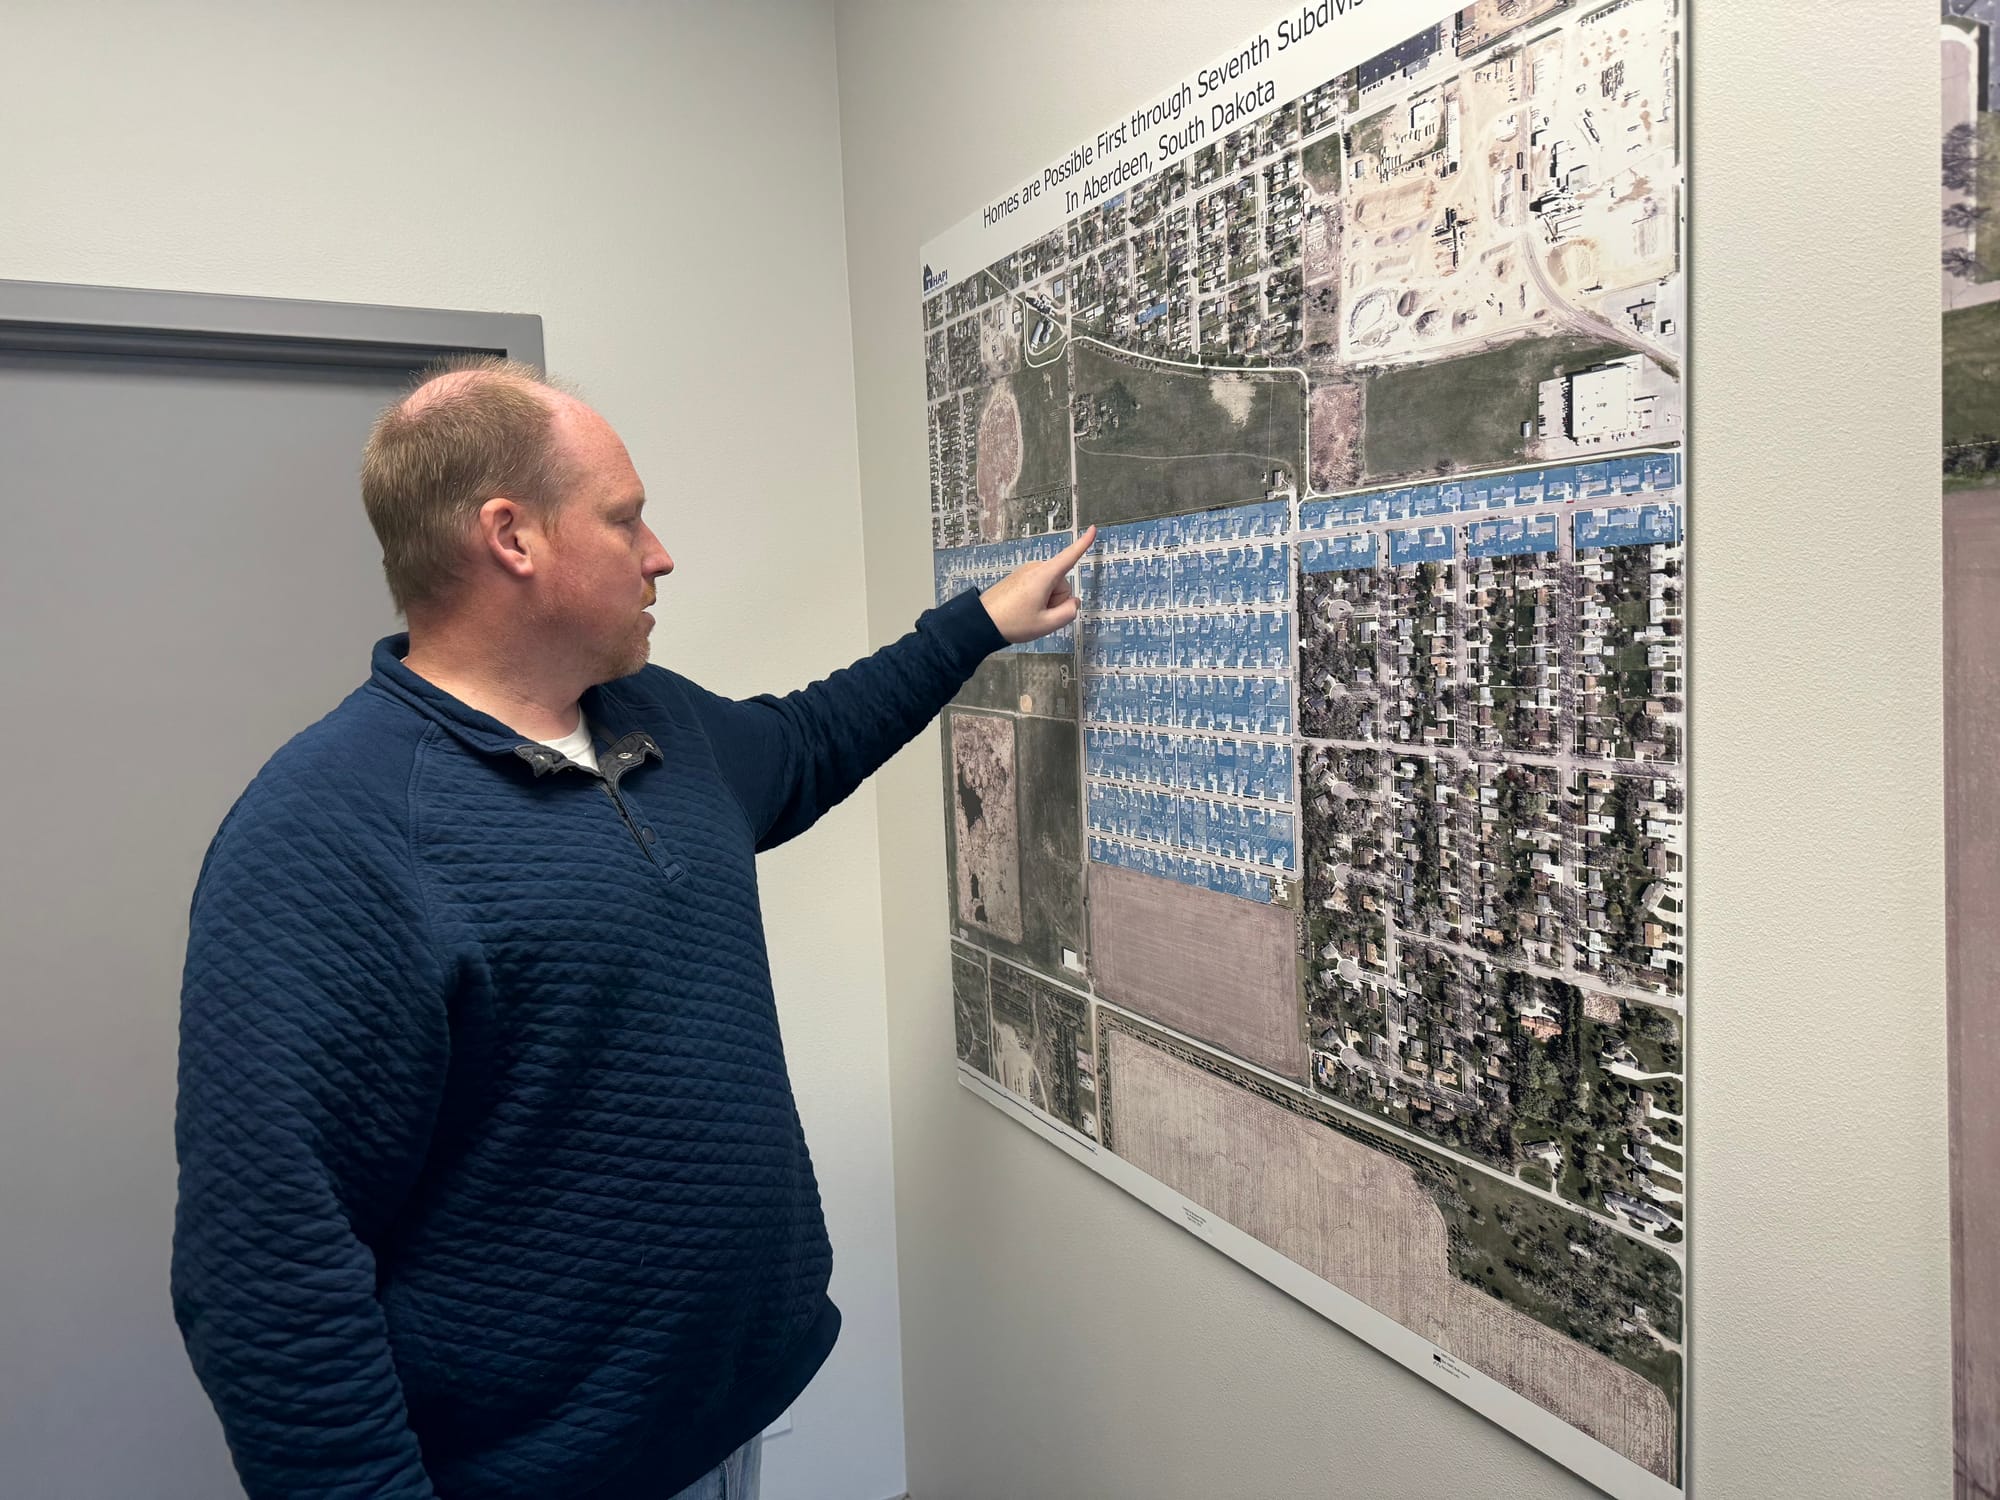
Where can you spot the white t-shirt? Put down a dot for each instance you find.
(576, 744)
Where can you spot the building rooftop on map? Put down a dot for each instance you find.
(1600, 403)
(1402, 57)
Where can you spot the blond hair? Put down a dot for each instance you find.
(471, 427)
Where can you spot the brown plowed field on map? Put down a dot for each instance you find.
(1216, 967)
(1359, 1219)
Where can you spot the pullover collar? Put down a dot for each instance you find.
(485, 735)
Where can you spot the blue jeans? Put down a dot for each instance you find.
(734, 1479)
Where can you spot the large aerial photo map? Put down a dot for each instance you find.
(1325, 883)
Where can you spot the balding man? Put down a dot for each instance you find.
(491, 1181)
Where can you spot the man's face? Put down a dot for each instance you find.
(603, 557)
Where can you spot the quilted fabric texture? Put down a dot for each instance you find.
(491, 1180)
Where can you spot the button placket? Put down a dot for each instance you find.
(623, 760)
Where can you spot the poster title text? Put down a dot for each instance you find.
(1213, 99)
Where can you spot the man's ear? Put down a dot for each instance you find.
(508, 535)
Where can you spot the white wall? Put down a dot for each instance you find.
(661, 182)
(1059, 1339)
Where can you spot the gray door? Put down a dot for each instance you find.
(186, 580)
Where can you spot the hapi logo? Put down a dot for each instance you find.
(934, 279)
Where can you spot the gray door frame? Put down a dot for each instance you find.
(57, 318)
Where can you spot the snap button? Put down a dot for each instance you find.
(648, 834)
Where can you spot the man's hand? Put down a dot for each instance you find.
(1036, 598)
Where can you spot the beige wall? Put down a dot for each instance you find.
(1062, 1341)
(661, 182)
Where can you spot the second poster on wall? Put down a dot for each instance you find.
(1325, 884)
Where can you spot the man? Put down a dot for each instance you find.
(491, 1182)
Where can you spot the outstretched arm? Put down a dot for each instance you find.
(791, 758)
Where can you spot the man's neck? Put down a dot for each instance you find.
(542, 705)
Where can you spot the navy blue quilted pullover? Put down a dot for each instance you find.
(491, 1182)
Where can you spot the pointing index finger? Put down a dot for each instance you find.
(1066, 559)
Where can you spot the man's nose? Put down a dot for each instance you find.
(659, 561)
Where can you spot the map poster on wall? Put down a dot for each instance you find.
(1970, 75)
(1324, 885)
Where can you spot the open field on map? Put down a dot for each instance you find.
(1320, 161)
(972, 1026)
(1155, 440)
(1972, 374)
(1043, 396)
(1466, 413)
(1432, 1246)
(1043, 683)
(1214, 966)
(1048, 837)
